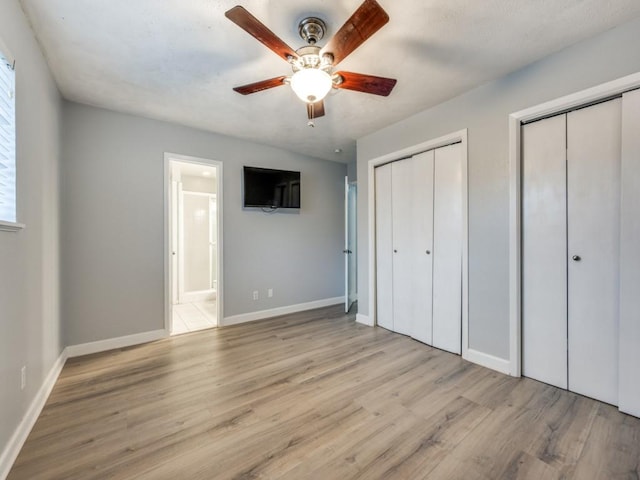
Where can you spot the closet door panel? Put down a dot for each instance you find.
(544, 251)
(384, 247)
(402, 182)
(422, 222)
(629, 388)
(593, 204)
(447, 249)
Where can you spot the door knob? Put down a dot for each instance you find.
(428, 252)
(576, 258)
(395, 251)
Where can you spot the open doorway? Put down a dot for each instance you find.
(194, 234)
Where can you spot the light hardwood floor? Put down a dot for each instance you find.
(315, 396)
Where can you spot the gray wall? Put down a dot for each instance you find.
(484, 112)
(352, 171)
(29, 263)
(113, 224)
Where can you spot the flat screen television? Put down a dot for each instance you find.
(269, 188)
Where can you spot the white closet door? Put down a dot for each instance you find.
(629, 388)
(544, 251)
(593, 206)
(384, 248)
(402, 182)
(447, 249)
(422, 222)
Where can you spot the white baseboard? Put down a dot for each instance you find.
(13, 447)
(494, 363)
(275, 312)
(364, 319)
(114, 343)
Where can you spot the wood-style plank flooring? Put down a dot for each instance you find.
(315, 396)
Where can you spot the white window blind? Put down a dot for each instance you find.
(7, 140)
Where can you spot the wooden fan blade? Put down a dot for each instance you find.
(366, 83)
(259, 31)
(364, 22)
(315, 110)
(259, 86)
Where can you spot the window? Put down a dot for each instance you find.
(7, 142)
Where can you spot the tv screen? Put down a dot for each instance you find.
(268, 188)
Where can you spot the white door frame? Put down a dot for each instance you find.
(455, 137)
(553, 107)
(167, 234)
(346, 244)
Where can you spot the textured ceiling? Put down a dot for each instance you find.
(177, 60)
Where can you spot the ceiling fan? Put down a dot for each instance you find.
(313, 76)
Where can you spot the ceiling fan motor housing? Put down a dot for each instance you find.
(312, 29)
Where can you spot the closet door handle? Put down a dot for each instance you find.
(428, 252)
(395, 251)
(576, 258)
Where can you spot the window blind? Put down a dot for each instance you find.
(7, 141)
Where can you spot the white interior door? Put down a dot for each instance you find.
(629, 335)
(350, 267)
(384, 247)
(352, 246)
(447, 249)
(422, 239)
(181, 248)
(402, 208)
(593, 205)
(347, 304)
(213, 241)
(544, 251)
(174, 222)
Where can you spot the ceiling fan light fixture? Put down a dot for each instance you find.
(311, 84)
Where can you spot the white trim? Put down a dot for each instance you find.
(364, 319)
(455, 137)
(276, 312)
(114, 343)
(167, 234)
(13, 447)
(568, 102)
(489, 361)
(578, 99)
(11, 226)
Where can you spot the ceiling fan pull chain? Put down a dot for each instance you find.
(311, 114)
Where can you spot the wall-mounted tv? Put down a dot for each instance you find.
(269, 188)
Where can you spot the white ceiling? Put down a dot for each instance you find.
(178, 60)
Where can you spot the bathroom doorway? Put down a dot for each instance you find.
(194, 231)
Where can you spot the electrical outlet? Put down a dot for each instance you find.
(255, 295)
(270, 293)
(23, 377)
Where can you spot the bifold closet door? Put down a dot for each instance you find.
(544, 251)
(421, 287)
(412, 212)
(384, 247)
(629, 334)
(593, 212)
(402, 214)
(571, 250)
(447, 249)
